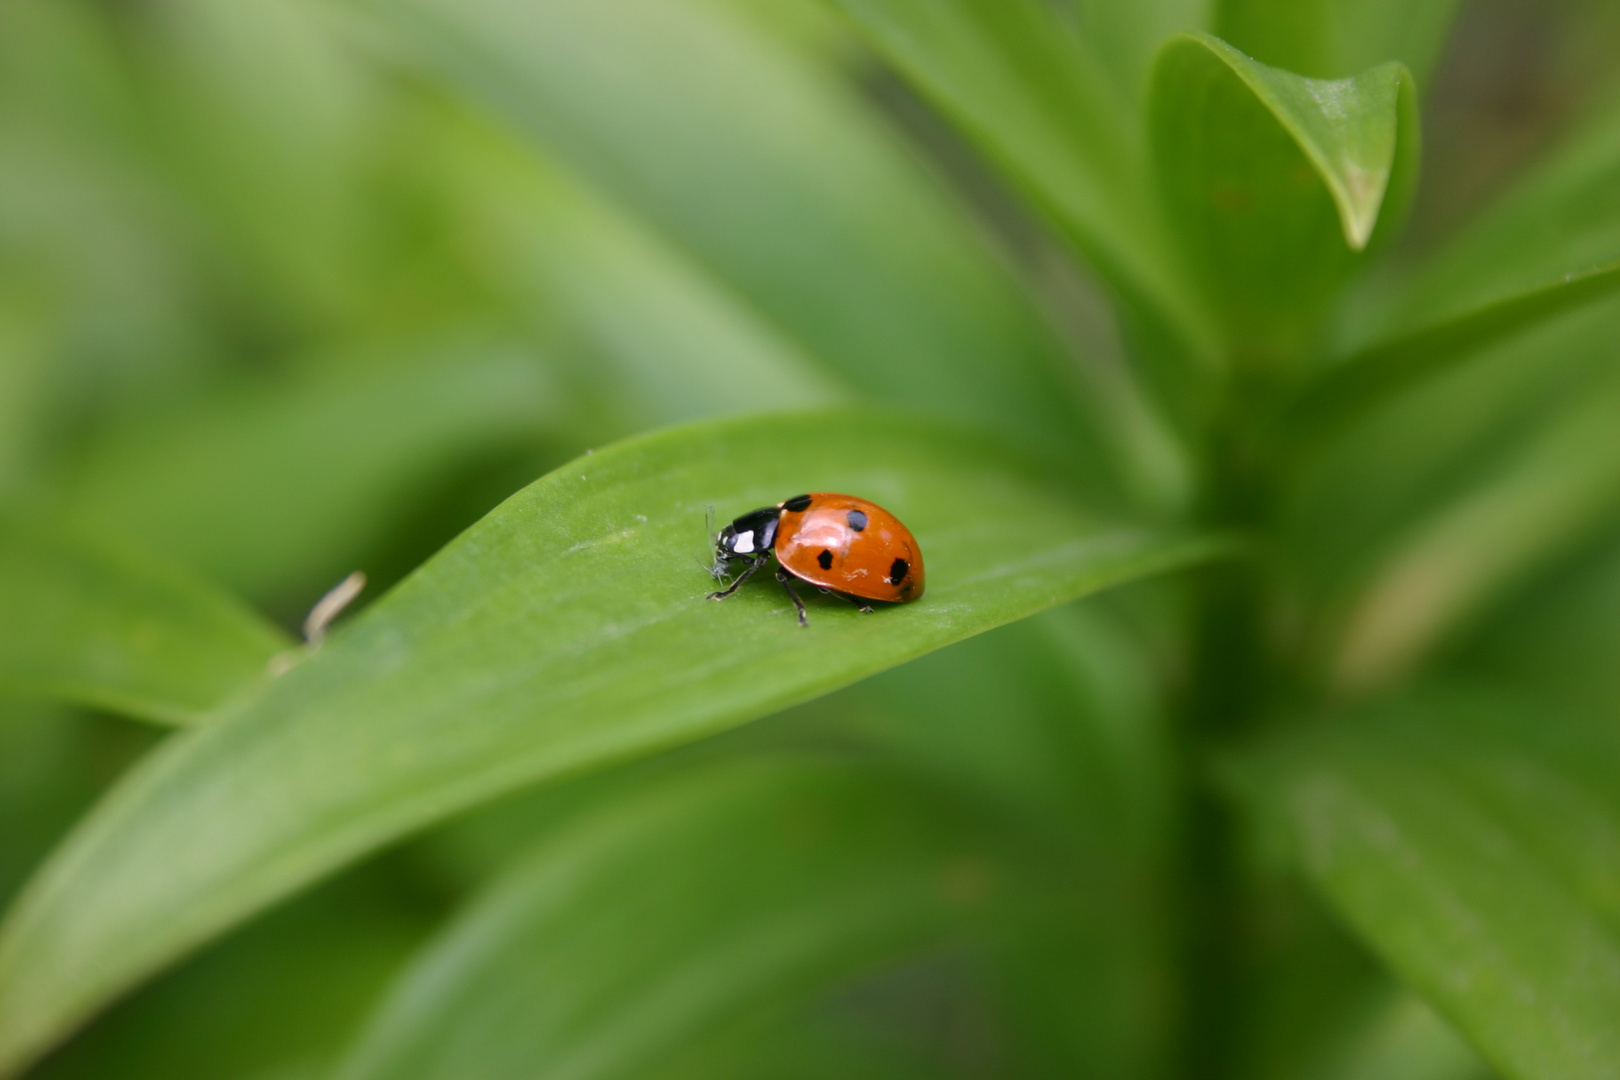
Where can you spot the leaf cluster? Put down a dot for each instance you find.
(1258, 720)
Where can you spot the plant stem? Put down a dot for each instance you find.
(1224, 701)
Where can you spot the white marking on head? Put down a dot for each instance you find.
(745, 543)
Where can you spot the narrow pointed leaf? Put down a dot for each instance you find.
(772, 176)
(707, 903)
(278, 484)
(1374, 374)
(1535, 254)
(1035, 95)
(1554, 492)
(1076, 760)
(1561, 220)
(1550, 246)
(1274, 180)
(1364, 490)
(83, 621)
(1073, 755)
(567, 629)
(1471, 840)
(670, 341)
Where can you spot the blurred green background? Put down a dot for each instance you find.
(275, 305)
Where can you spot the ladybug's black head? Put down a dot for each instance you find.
(749, 537)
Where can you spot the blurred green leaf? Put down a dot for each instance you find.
(1549, 246)
(1373, 374)
(1125, 35)
(87, 267)
(1554, 636)
(1082, 736)
(710, 901)
(1036, 96)
(1552, 493)
(1403, 1038)
(1333, 39)
(1275, 181)
(25, 378)
(275, 483)
(503, 661)
(1054, 726)
(266, 127)
(288, 990)
(1363, 491)
(1562, 219)
(88, 622)
(55, 761)
(1472, 839)
(804, 1047)
(1072, 774)
(668, 340)
(769, 173)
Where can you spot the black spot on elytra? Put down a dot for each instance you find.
(825, 559)
(897, 571)
(857, 520)
(798, 504)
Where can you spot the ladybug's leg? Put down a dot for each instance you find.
(860, 605)
(744, 576)
(787, 583)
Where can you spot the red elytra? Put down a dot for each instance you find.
(838, 543)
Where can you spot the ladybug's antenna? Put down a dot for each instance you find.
(717, 568)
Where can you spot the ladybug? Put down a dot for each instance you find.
(838, 543)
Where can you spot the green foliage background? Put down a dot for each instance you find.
(1261, 719)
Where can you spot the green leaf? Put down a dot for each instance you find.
(1125, 35)
(265, 126)
(90, 623)
(1562, 220)
(669, 341)
(1035, 95)
(566, 629)
(1547, 248)
(1077, 769)
(810, 1047)
(1555, 635)
(770, 174)
(54, 764)
(1403, 1039)
(1551, 494)
(279, 483)
(1472, 840)
(1359, 496)
(1550, 246)
(1332, 39)
(710, 901)
(1275, 181)
(1080, 737)
(1071, 777)
(1364, 380)
(25, 383)
(265, 1010)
